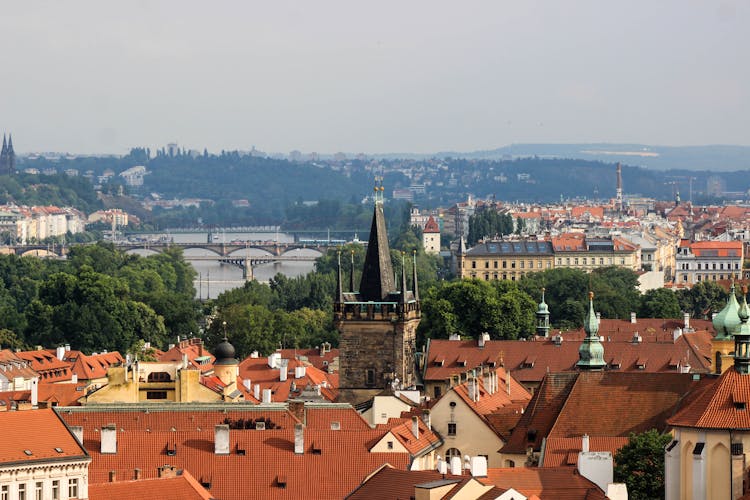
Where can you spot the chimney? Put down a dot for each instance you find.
(266, 395)
(598, 316)
(256, 391)
(74, 378)
(686, 320)
(632, 318)
(248, 384)
(254, 355)
(479, 466)
(112, 476)
(67, 347)
(297, 408)
(167, 471)
(415, 427)
(585, 443)
(442, 467)
(470, 388)
(427, 419)
(283, 371)
(60, 353)
(300, 371)
(184, 361)
(488, 382)
(35, 392)
(137, 474)
(221, 439)
(454, 336)
(456, 466)
(108, 439)
(77, 431)
(299, 439)
(483, 337)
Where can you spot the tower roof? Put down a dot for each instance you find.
(377, 276)
(728, 318)
(431, 226)
(591, 352)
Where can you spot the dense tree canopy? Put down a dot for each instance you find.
(640, 465)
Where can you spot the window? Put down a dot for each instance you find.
(390, 445)
(438, 391)
(39, 490)
(559, 262)
(73, 488)
(567, 261)
(549, 265)
(473, 264)
(522, 264)
(452, 452)
(539, 264)
(56, 489)
(486, 277)
(584, 261)
(5, 492)
(452, 429)
(22, 492)
(156, 394)
(513, 265)
(370, 377)
(575, 261)
(159, 377)
(505, 264)
(494, 264)
(531, 264)
(487, 264)
(622, 262)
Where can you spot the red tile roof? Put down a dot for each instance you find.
(600, 404)
(388, 483)
(46, 364)
(722, 405)
(560, 483)
(402, 430)
(89, 367)
(197, 355)
(322, 361)
(333, 464)
(431, 226)
(181, 487)
(22, 432)
(560, 452)
(258, 372)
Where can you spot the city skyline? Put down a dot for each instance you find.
(333, 76)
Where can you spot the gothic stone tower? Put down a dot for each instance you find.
(377, 323)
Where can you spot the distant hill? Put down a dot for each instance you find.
(711, 158)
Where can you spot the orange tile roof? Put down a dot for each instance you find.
(194, 350)
(89, 367)
(181, 487)
(402, 430)
(26, 435)
(600, 404)
(269, 468)
(61, 394)
(388, 483)
(314, 357)
(721, 405)
(13, 366)
(431, 226)
(716, 248)
(46, 364)
(258, 372)
(563, 483)
(560, 452)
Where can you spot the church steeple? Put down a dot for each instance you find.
(591, 352)
(377, 276)
(728, 318)
(542, 318)
(414, 276)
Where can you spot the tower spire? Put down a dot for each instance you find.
(339, 287)
(402, 299)
(542, 318)
(415, 286)
(377, 275)
(351, 274)
(591, 352)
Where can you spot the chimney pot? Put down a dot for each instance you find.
(686, 320)
(585, 443)
(108, 437)
(633, 318)
(427, 419)
(137, 474)
(112, 476)
(266, 395)
(456, 466)
(77, 431)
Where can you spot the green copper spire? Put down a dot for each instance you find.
(728, 318)
(542, 318)
(742, 338)
(591, 352)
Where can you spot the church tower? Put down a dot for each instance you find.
(7, 157)
(542, 318)
(591, 352)
(378, 322)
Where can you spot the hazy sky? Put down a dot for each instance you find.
(377, 76)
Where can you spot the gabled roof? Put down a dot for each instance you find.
(608, 404)
(722, 405)
(431, 226)
(197, 355)
(24, 441)
(402, 430)
(46, 364)
(89, 367)
(181, 487)
(560, 483)
(258, 372)
(388, 483)
(314, 357)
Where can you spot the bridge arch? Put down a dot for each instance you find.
(39, 252)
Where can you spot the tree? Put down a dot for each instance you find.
(659, 303)
(640, 465)
(702, 299)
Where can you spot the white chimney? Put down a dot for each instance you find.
(60, 353)
(266, 395)
(470, 389)
(300, 371)
(632, 318)
(221, 439)
(254, 355)
(283, 372)
(299, 439)
(35, 392)
(74, 378)
(598, 316)
(256, 391)
(483, 338)
(67, 347)
(686, 320)
(454, 336)
(585, 443)
(479, 466)
(456, 466)
(442, 467)
(248, 384)
(427, 419)
(488, 382)
(108, 437)
(77, 431)
(415, 427)
(597, 467)
(676, 334)
(184, 361)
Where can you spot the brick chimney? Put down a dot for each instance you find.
(167, 471)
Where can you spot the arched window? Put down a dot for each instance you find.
(510, 463)
(718, 362)
(159, 377)
(452, 452)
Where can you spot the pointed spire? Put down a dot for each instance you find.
(542, 318)
(742, 338)
(5, 144)
(591, 352)
(351, 275)
(402, 299)
(377, 275)
(414, 276)
(10, 143)
(339, 290)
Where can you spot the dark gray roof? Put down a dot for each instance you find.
(511, 248)
(377, 276)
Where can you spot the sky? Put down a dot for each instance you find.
(372, 77)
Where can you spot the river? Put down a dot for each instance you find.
(215, 278)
